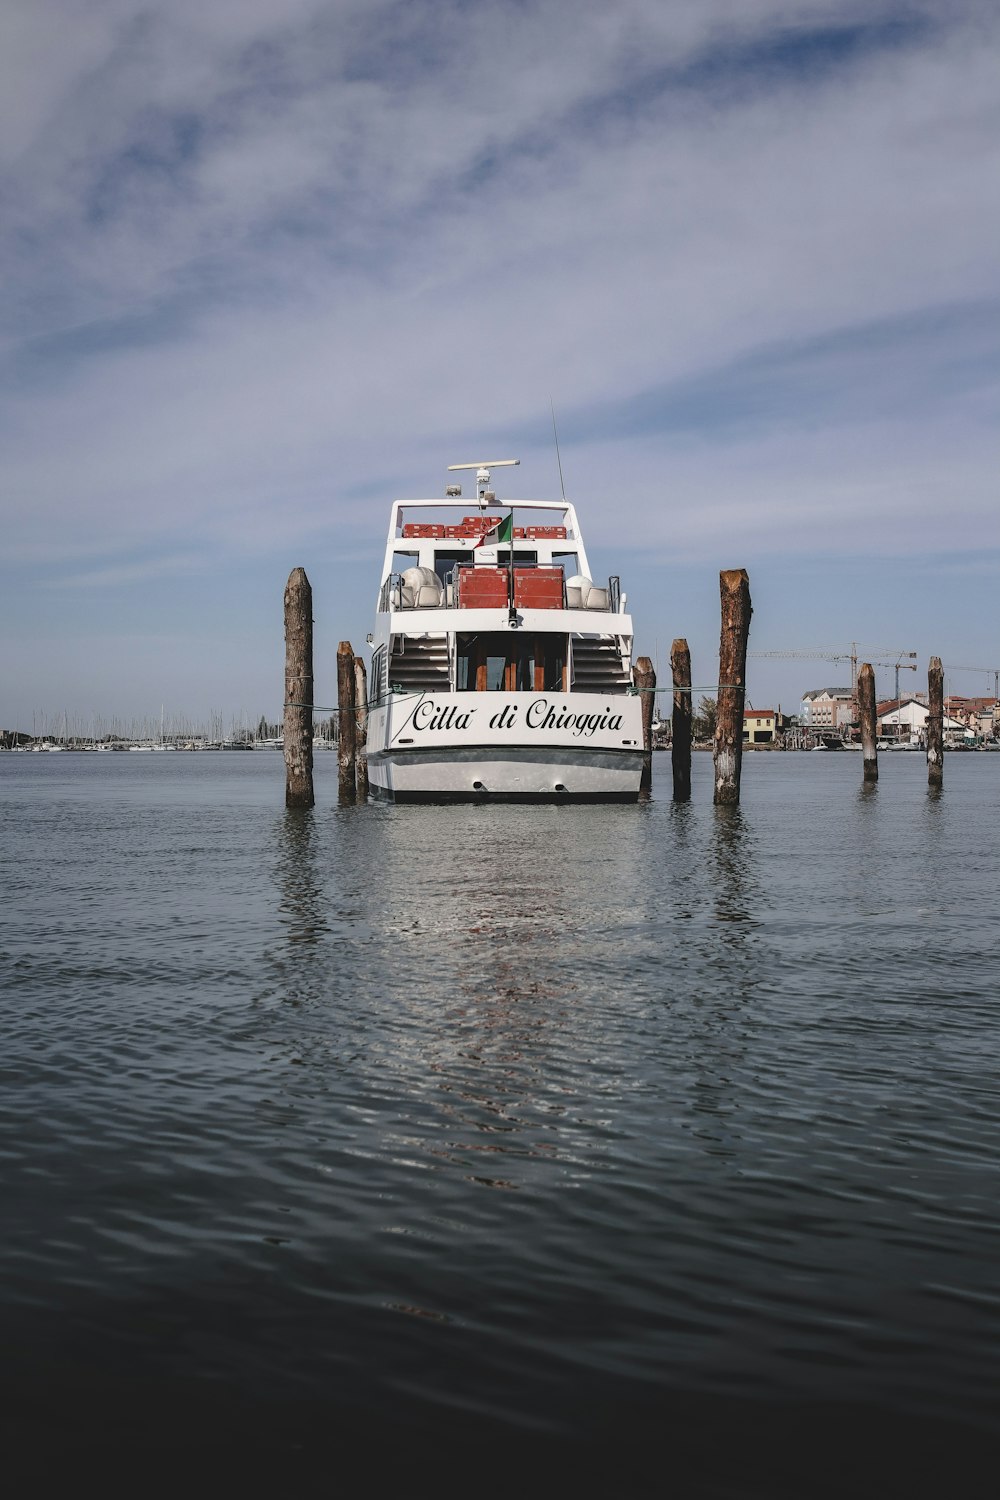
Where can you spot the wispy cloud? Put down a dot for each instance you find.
(141, 570)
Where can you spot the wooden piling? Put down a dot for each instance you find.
(935, 722)
(346, 724)
(866, 713)
(644, 681)
(298, 691)
(680, 737)
(361, 721)
(734, 589)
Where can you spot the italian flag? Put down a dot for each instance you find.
(502, 532)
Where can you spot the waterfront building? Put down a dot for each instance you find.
(907, 720)
(827, 708)
(760, 726)
(981, 715)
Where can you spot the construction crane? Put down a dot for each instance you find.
(987, 670)
(906, 666)
(852, 657)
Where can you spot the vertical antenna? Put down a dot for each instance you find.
(558, 459)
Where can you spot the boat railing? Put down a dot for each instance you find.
(453, 592)
(432, 593)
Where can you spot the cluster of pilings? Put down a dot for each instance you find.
(935, 722)
(734, 589)
(352, 706)
(352, 721)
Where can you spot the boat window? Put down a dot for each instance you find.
(496, 669)
(445, 564)
(510, 663)
(550, 661)
(462, 670)
(378, 684)
(522, 559)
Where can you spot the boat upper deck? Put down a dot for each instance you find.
(440, 557)
(431, 526)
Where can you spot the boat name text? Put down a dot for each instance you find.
(539, 714)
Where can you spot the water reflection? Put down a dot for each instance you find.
(511, 941)
(681, 817)
(301, 906)
(733, 855)
(634, 1158)
(513, 916)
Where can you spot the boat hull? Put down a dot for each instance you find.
(506, 747)
(489, 773)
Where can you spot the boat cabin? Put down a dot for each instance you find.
(498, 599)
(445, 580)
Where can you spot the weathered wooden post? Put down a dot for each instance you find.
(935, 722)
(346, 723)
(734, 588)
(866, 713)
(298, 691)
(644, 681)
(361, 721)
(680, 737)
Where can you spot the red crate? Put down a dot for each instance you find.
(482, 588)
(475, 526)
(538, 588)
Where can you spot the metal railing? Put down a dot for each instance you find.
(392, 595)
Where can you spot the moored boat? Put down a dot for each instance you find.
(500, 669)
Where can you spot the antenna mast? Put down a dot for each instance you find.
(555, 434)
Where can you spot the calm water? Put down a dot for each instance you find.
(630, 1129)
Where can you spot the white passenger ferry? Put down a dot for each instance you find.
(501, 671)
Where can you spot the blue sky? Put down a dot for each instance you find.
(266, 267)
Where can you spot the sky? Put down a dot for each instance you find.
(268, 265)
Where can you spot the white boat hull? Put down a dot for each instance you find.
(490, 775)
(595, 755)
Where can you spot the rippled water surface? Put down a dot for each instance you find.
(665, 1128)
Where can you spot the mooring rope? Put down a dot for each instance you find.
(631, 691)
(710, 687)
(318, 708)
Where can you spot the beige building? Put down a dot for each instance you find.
(827, 708)
(760, 726)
